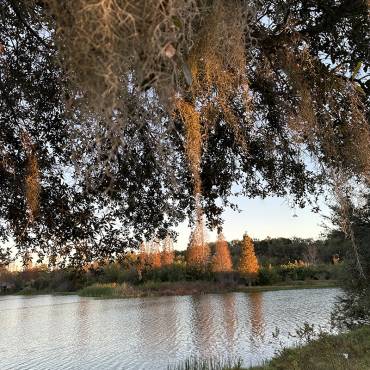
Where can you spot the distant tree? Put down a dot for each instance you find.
(198, 252)
(334, 245)
(142, 260)
(221, 261)
(167, 255)
(154, 254)
(281, 250)
(310, 255)
(248, 263)
(197, 256)
(155, 260)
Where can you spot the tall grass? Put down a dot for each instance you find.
(112, 290)
(348, 351)
(207, 364)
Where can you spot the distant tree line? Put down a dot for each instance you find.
(276, 251)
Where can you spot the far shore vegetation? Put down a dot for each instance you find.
(158, 289)
(158, 270)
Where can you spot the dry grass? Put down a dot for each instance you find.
(111, 290)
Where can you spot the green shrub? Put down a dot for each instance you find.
(112, 290)
(268, 276)
(28, 291)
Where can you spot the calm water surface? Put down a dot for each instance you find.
(69, 332)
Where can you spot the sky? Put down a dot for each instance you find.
(261, 218)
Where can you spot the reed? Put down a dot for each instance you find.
(195, 363)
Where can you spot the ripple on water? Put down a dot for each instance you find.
(69, 332)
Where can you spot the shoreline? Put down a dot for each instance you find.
(182, 288)
(347, 350)
(153, 289)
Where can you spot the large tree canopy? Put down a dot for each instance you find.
(354, 307)
(119, 118)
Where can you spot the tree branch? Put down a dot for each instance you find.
(18, 13)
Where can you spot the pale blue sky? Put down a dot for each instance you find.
(262, 218)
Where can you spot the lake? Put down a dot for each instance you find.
(70, 332)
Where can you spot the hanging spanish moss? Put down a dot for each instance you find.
(32, 178)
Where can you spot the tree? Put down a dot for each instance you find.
(154, 257)
(221, 261)
(142, 260)
(167, 255)
(198, 252)
(311, 254)
(354, 306)
(253, 97)
(248, 263)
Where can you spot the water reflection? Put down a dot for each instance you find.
(202, 312)
(230, 318)
(82, 329)
(155, 318)
(71, 332)
(256, 316)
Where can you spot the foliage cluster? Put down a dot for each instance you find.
(221, 260)
(140, 114)
(354, 307)
(281, 251)
(276, 274)
(248, 264)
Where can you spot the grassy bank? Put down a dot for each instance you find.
(156, 289)
(350, 351)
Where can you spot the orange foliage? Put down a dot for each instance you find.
(154, 254)
(248, 263)
(198, 255)
(198, 252)
(143, 257)
(167, 258)
(155, 260)
(167, 255)
(221, 261)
